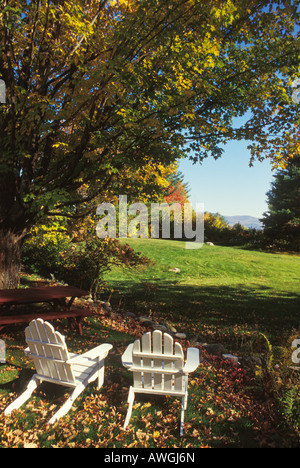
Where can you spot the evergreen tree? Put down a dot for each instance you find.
(282, 221)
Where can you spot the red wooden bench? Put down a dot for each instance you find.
(54, 295)
(75, 316)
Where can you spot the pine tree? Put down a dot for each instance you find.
(282, 221)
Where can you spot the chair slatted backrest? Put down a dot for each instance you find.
(49, 352)
(157, 363)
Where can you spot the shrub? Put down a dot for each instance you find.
(83, 264)
(79, 260)
(280, 381)
(43, 246)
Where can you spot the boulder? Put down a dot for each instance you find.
(146, 321)
(131, 315)
(230, 357)
(250, 362)
(214, 349)
(180, 336)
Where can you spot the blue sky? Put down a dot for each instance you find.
(228, 185)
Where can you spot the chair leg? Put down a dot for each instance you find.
(67, 405)
(185, 400)
(183, 407)
(23, 397)
(100, 373)
(131, 396)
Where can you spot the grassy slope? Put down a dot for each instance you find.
(219, 289)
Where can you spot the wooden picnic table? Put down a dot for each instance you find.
(60, 297)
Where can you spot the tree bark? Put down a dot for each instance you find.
(10, 258)
(13, 228)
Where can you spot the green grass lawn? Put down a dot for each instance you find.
(220, 291)
(225, 294)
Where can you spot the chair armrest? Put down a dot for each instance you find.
(192, 360)
(100, 351)
(127, 356)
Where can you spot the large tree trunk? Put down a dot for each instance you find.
(12, 230)
(10, 258)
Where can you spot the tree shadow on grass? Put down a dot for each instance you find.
(257, 308)
(18, 385)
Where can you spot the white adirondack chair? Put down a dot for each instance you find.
(55, 364)
(158, 368)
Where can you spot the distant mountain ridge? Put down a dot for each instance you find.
(244, 220)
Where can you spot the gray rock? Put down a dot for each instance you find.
(131, 315)
(230, 357)
(146, 321)
(143, 319)
(180, 336)
(250, 362)
(214, 349)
